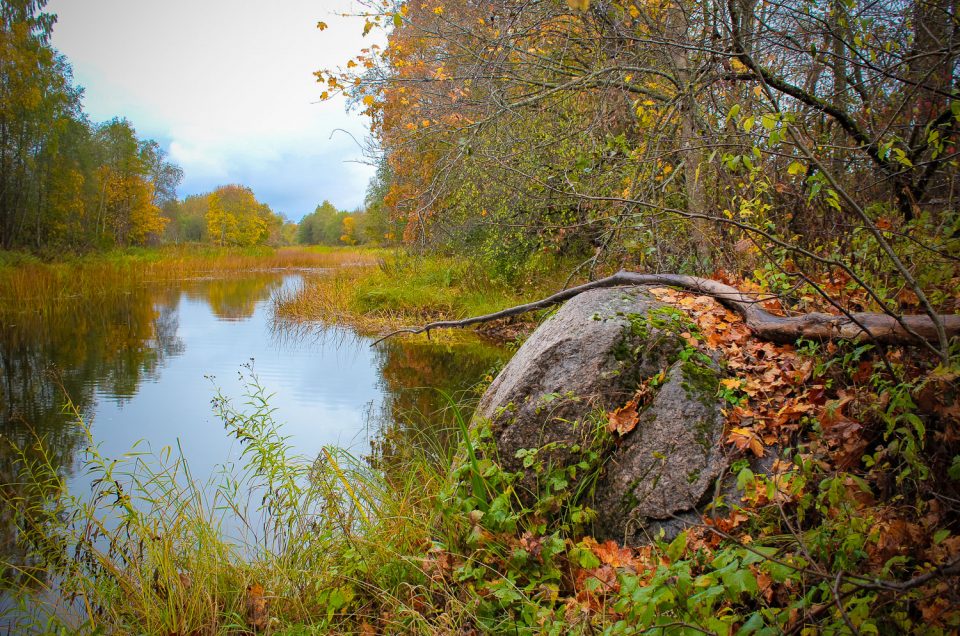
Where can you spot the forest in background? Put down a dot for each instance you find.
(68, 183)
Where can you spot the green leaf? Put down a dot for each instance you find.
(584, 557)
(734, 111)
(677, 547)
(748, 123)
(740, 580)
(397, 20)
(768, 121)
(752, 624)
(796, 168)
(954, 471)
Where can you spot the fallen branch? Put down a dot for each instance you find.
(874, 327)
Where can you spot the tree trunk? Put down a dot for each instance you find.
(690, 142)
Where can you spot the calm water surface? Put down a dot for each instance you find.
(142, 364)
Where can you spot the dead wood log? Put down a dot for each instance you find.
(861, 326)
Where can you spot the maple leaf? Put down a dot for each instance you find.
(731, 383)
(610, 553)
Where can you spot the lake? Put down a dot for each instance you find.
(141, 364)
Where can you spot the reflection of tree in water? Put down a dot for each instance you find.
(105, 345)
(415, 377)
(235, 298)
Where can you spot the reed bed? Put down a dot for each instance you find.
(270, 541)
(27, 285)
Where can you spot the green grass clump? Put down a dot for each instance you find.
(406, 289)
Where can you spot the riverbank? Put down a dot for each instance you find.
(845, 526)
(30, 285)
(404, 290)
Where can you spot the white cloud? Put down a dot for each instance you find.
(227, 86)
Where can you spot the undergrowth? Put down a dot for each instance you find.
(443, 540)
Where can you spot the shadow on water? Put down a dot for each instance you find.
(119, 359)
(427, 387)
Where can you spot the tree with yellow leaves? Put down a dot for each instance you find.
(235, 217)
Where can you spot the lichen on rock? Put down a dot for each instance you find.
(590, 357)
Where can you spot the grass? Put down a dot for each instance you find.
(273, 541)
(28, 285)
(427, 542)
(405, 290)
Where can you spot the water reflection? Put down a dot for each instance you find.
(425, 385)
(133, 361)
(104, 346)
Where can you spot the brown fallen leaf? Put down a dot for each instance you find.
(624, 419)
(744, 438)
(256, 604)
(610, 553)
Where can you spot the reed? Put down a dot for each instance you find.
(270, 541)
(28, 286)
(405, 290)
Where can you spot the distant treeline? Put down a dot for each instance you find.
(231, 215)
(329, 226)
(67, 183)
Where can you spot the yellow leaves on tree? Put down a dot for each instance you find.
(128, 204)
(235, 217)
(349, 231)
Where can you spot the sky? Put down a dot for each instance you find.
(227, 88)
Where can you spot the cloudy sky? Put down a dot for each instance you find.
(227, 87)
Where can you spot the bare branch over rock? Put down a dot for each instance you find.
(880, 328)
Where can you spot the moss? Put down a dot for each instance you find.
(657, 329)
(670, 319)
(704, 435)
(700, 381)
(693, 476)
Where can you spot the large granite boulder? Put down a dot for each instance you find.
(588, 359)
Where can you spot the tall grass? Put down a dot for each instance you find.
(407, 290)
(30, 286)
(271, 540)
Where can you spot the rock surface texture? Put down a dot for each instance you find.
(589, 358)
